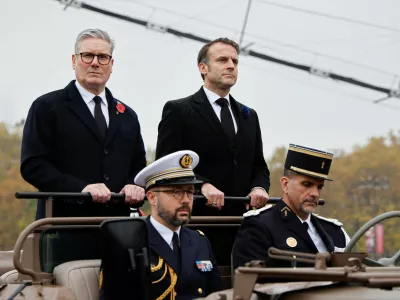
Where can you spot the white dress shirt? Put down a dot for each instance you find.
(164, 231)
(88, 98)
(213, 97)
(313, 233)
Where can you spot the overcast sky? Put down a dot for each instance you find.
(37, 39)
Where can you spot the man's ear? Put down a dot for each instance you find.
(151, 197)
(284, 184)
(203, 68)
(73, 61)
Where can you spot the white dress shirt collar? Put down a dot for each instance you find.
(164, 231)
(88, 96)
(308, 221)
(212, 97)
(314, 235)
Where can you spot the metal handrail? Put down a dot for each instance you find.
(119, 196)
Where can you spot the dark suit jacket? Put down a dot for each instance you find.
(272, 227)
(191, 282)
(62, 151)
(191, 124)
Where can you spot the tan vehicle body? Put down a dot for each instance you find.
(80, 279)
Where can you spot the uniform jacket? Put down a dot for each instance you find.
(192, 282)
(62, 151)
(234, 168)
(279, 227)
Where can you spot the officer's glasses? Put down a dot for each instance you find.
(87, 58)
(179, 193)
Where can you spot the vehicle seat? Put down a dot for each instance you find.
(10, 276)
(81, 276)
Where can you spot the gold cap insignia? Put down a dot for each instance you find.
(291, 242)
(323, 164)
(186, 161)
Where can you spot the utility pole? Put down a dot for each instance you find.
(245, 23)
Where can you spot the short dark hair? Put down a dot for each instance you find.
(203, 53)
(289, 173)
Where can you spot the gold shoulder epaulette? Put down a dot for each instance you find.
(334, 221)
(256, 212)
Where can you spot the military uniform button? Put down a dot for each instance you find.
(106, 151)
(200, 290)
(106, 177)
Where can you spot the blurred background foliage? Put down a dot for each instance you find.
(364, 186)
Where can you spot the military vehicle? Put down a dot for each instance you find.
(59, 258)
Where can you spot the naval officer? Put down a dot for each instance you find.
(182, 263)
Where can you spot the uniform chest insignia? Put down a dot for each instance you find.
(204, 265)
(334, 221)
(291, 242)
(256, 212)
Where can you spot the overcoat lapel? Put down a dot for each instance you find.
(326, 238)
(240, 122)
(204, 108)
(116, 118)
(79, 107)
(294, 225)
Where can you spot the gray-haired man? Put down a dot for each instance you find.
(81, 138)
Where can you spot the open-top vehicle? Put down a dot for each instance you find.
(59, 258)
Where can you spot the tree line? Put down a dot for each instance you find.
(365, 185)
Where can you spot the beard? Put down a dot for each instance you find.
(308, 210)
(172, 218)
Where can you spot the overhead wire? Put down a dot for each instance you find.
(261, 38)
(320, 87)
(329, 16)
(302, 67)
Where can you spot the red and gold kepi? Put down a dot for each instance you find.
(308, 161)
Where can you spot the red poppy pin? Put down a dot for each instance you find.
(120, 108)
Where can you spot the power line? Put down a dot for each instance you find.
(329, 16)
(261, 38)
(320, 87)
(309, 69)
(318, 54)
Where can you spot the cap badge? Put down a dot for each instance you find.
(291, 242)
(186, 161)
(323, 164)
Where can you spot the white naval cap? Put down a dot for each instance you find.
(173, 169)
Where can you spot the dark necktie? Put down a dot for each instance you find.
(99, 117)
(305, 225)
(177, 251)
(226, 118)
